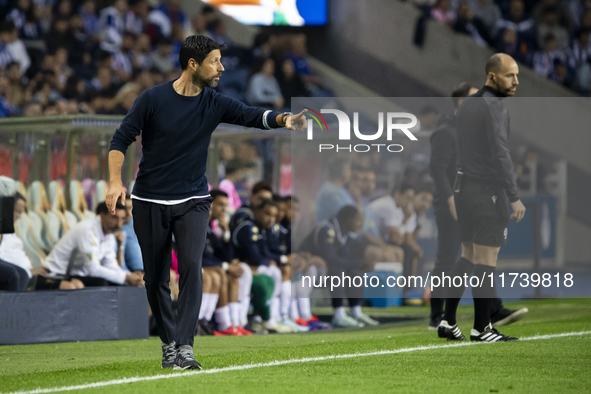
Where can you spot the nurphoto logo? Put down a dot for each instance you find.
(396, 122)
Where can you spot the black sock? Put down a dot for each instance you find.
(482, 296)
(454, 294)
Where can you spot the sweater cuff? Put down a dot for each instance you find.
(270, 119)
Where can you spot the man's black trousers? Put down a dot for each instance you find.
(448, 247)
(154, 225)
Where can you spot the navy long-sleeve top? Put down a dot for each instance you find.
(176, 131)
(216, 250)
(251, 245)
(328, 241)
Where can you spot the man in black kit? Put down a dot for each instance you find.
(483, 185)
(443, 169)
(170, 195)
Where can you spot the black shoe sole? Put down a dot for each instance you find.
(179, 368)
(166, 366)
(512, 318)
(476, 339)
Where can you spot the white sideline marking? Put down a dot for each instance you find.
(275, 363)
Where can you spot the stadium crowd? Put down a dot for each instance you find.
(550, 36)
(96, 57)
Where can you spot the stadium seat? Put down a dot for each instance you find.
(37, 231)
(79, 206)
(23, 230)
(58, 206)
(38, 204)
(101, 190)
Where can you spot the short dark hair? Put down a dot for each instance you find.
(207, 9)
(261, 186)
(403, 186)
(460, 91)
(102, 207)
(425, 187)
(197, 47)
(214, 193)
(278, 199)
(292, 198)
(347, 213)
(18, 196)
(7, 26)
(264, 203)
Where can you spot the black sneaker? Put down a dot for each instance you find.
(506, 316)
(452, 333)
(490, 335)
(434, 322)
(185, 359)
(204, 328)
(168, 355)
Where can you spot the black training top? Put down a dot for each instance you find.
(176, 131)
(483, 132)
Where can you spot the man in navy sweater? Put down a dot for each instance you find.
(170, 195)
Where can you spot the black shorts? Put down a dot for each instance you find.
(483, 213)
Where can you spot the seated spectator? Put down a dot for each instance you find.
(112, 26)
(261, 191)
(389, 213)
(199, 26)
(217, 31)
(329, 241)
(251, 245)
(57, 35)
(87, 252)
(103, 81)
(550, 24)
(122, 59)
(15, 47)
(517, 21)
(136, 18)
(369, 246)
(580, 50)
(247, 154)
(510, 44)
(160, 57)
(90, 19)
(298, 53)
(543, 61)
(302, 263)
(471, 25)
(235, 173)
(537, 13)
(583, 78)
(80, 48)
(290, 83)
(333, 195)
(32, 29)
(18, 14)
(130, 248)
(441, 12)
(16, 270)
(279, 244)
(234, 278)
(263, 88)
(488, 12)
(174, 11)
(17, 88)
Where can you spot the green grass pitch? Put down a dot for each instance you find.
(555, 365)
